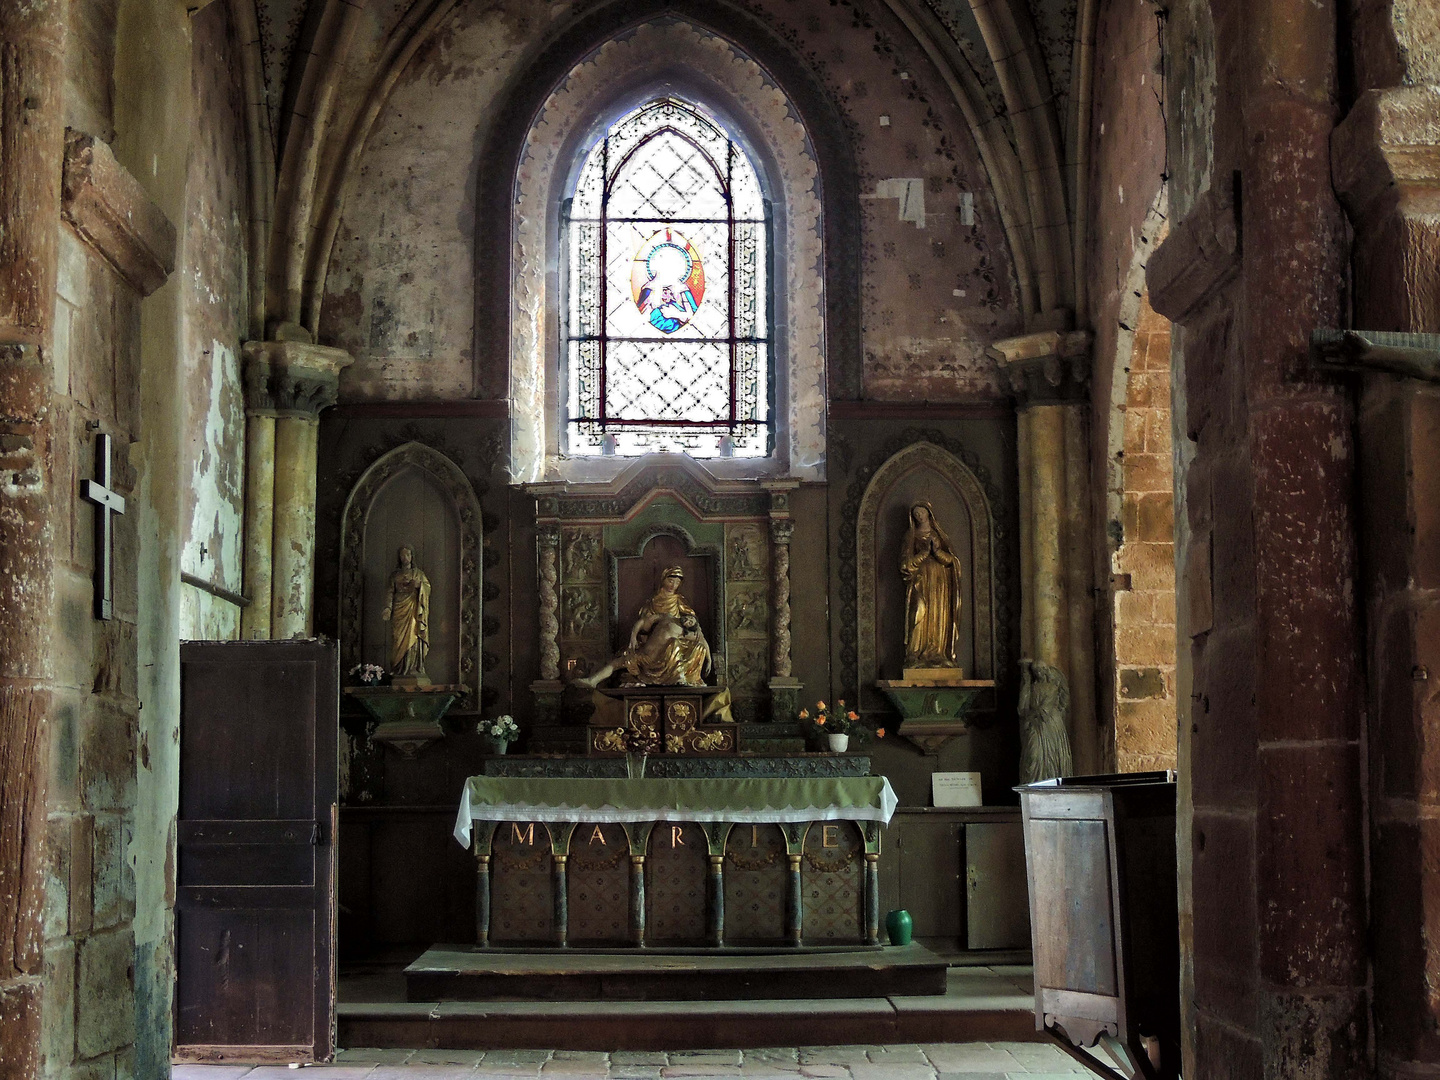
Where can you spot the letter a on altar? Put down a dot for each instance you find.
(527, 837)
(598, 835)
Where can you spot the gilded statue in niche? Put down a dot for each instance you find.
(667, 646)
(407, 610)
(931, 571)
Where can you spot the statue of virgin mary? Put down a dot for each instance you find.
(931, 571)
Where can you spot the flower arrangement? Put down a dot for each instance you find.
(843, 721)
(502, 729)
(368, 674)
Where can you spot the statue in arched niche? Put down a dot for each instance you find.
(931, 571)
(407, 610)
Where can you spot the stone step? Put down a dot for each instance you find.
(460, 973)
(980, 1005)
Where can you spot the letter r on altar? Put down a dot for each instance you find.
(677, 838)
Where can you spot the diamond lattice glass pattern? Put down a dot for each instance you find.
(667, 331)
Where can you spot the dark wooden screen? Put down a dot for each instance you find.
(256, 874)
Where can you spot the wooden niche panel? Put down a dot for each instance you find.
(832, 884)
(756, 881)
(522, 887)
(598, 884)
(676, 870)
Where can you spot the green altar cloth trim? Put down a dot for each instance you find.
(525, 798)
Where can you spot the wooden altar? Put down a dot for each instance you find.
(690, 863)
(675, 718)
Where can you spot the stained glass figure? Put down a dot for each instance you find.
(668, 280)
(667, 332)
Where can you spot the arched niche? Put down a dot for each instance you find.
(922, 471)
(635, 576)
(416, 496)
(665, 55)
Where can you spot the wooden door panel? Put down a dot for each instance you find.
(256, 860)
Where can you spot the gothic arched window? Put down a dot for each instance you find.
(667, 333)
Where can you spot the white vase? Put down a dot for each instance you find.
(838, 743)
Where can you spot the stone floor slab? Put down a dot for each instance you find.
(638, 1057)
(892, 1072)
(362, 1055)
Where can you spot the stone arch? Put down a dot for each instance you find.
(615, 71)
(448, 478)
(1140, 509)
(980, 586)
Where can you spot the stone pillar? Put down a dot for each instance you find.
(1271, 816)
(32, 78)
(784, 687)
(1049, 374)
(287, 385)
(482, 898)
(715, 909)
(562, 901)
(1386, 164)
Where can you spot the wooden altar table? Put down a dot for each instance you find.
(653, 862)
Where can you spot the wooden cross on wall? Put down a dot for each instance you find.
(106, 503)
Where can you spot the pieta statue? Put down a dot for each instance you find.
(667, 646)
(931, 571)
(407, 610)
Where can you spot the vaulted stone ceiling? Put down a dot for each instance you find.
(322, 70)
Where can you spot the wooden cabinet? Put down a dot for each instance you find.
(961, 875)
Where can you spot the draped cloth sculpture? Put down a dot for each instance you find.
(932, 599)
(667, 646)
(407, 609)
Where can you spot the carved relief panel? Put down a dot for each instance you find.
(747, 615)
(583, 644)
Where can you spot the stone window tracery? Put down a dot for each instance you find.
(667, 338)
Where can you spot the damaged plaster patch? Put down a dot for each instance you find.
(214, 535)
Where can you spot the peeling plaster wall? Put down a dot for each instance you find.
(399, 295)
(213, 288)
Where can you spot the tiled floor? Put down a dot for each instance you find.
(943, 1061)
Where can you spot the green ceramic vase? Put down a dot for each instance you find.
(899, 926)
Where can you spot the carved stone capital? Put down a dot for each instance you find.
(1045, 368)
(1199, 257)
(781, 531)
(292, 378)
(112, 213)
(1387, 150)
(548, 536)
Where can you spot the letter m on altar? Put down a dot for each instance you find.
(527, 837)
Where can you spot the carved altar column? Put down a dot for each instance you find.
(548, 688)
(1049, 374)
(784, 688)
(287, 384)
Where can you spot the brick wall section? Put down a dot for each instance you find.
(1144, 616)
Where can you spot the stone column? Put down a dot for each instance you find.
(784, 687)
(1049, 374)
(1386, 164)
(288, 383)
(32, 78)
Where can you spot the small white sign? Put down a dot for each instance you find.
(955, 788)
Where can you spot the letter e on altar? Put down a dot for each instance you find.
(830, 836)
(527, 837)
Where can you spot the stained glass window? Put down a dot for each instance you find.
(667, 336)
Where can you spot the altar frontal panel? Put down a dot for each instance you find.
(675, 881)
(522, 884)
(598, 883)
